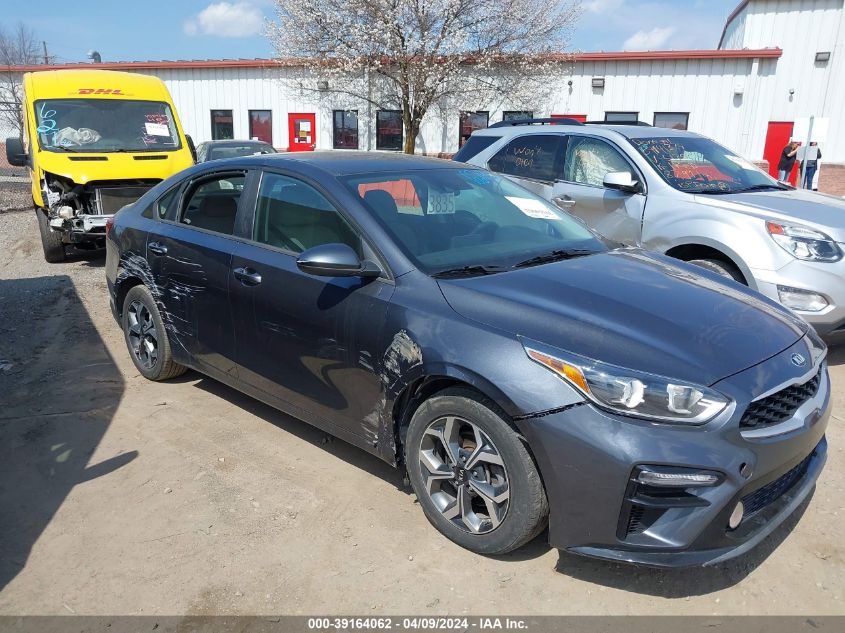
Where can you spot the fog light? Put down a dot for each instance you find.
(736, 516)
(677, 479)
(804, 300)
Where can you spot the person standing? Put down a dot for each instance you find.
(810, 164)
(787, 161)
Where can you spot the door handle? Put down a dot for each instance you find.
(563, 202)
(158, 249)
(247, 276)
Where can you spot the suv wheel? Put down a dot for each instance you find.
(472, 474)
(146, 338)
(723, 268)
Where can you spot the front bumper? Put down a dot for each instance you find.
(587, 457)
(826, 279)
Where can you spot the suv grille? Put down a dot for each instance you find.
(762, 497)
(780, 406)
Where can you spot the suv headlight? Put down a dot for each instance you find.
(631, 392)
(804, 243)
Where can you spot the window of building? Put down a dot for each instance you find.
(345, 132)
(222, 127)
(589, 160)
(213, 203)
(672, 120)
(534, 156)
(517, 115)
(261, 126)
(621, 117)
(389, 129)
(294, 216)
(469, 122)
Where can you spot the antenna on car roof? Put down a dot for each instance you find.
(554, 121)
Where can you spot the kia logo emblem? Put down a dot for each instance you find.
(798, 360)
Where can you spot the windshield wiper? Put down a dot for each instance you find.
(725, 192)
(62, 148)
(761, 188)
(554, 256)
(469, 271)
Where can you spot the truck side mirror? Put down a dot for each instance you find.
(191, 146)
(15, 153)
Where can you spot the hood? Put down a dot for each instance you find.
(633, 309)
(116, 166)
(817, 210)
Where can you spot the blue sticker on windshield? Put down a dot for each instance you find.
(478, 176)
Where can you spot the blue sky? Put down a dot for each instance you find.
(209, 29)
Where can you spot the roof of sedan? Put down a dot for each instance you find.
(346, 162)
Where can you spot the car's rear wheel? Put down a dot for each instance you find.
(51, 241)
(472, 473)
(146, 338)
(720, 267)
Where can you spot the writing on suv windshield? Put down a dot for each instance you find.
(468, 222)
(698, 165)
(105, 125)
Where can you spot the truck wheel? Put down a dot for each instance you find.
(720, 267)
(51, 241)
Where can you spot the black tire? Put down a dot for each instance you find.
(51, 241)
(146, 337)
(526, 513)
(720, 267)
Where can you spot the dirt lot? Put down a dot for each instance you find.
(122, 496)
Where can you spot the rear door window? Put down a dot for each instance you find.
(212, 203)
(534, 156)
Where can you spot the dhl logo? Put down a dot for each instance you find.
(100, 91)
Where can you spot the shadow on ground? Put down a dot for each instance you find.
(59, 389)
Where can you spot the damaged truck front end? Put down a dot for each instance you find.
(94, 141)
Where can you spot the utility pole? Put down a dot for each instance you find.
(46, 57)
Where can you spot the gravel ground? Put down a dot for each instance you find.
(15, 196)
(123, 496)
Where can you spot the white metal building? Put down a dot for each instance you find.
(777, 63)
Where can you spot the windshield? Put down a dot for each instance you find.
(446, 219)
(231, 151)
(105, 125)
(698, 165)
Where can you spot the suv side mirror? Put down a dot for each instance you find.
(622, 181)
(15, 154)
(191, 146)
(335, 260)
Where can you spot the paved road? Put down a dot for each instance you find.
(122, 496)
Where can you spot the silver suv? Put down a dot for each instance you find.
(684, 195)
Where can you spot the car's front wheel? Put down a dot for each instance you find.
(51, 241)
(720, 267)
(472, 473)
(146, 338)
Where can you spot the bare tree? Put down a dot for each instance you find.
(17, 48)
(411, 55)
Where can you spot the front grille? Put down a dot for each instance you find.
(780, 406)
(760, 498)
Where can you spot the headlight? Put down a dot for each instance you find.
(804, 243)
(632, 392)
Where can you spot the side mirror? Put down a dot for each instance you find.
(15, 154)
(191, 146)
(335, 260)
(622, 181)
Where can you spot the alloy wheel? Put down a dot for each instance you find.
(464, 474)
(143, 336)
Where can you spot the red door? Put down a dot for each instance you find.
(777, 136)
(302, 132)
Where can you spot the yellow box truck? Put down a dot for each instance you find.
(94, 141)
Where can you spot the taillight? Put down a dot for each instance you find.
(109, 225)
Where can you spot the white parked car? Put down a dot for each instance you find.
(679, 193)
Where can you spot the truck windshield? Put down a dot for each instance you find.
(105, 125)
(699, 165)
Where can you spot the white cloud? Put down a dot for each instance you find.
(601, 6)
(226, 19)
(648, 40)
